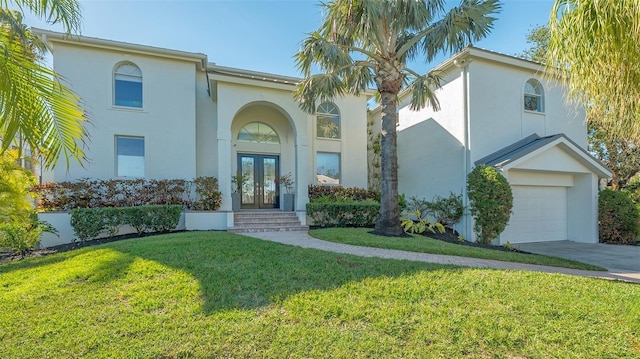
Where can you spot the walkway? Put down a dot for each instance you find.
(304, 240)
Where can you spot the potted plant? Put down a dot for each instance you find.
(237, 183)
(288, 199)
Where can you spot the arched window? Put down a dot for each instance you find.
(258, 132)
(533, 96)
(127, 85)
(328, 120)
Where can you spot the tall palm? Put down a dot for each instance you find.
(366, 42)
(35, 107)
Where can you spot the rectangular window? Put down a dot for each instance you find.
(129, 156)
(128, 91)
(328, 168)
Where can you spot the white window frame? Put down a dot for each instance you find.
(132, 76)
(538, 94)
(339, 179)
(331, 111)
(118, 160)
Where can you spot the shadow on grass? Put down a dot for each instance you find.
(237, 272)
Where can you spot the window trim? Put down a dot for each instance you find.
(144, 156)
(537, 85)
(338, 115)
(113, 85)
(339, 154)
(237, 139)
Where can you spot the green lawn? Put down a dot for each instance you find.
(216, 294)
(417, 243)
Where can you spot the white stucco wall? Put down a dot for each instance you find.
(166, 121)
(496, 109)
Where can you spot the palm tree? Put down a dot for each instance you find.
(36, 110)
(595, 45)
(366, 42)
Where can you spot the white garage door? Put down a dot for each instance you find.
(539, 214)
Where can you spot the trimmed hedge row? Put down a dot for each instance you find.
(345, 213)
(339, 193)
(199, 194)
(89, 223)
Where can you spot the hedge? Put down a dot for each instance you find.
(490, 200)
(89, 223)
(199, 194)
(617, 218)
(344, 213)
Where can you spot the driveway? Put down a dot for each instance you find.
(619, 259)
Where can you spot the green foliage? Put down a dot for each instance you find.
(444, 210)
(538, 39)
(343, 213)
(94, 193)
(89, 223)
(209, 196)
(421, 225)
(339, 193)
(23, 235)
(617, 218)
(15, 182)
(491, 201)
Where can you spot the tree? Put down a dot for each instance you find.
(37, 111)
(366, 42)
(597, 43)
(538, 40)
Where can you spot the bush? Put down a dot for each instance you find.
(446, 211)
(200, 194)
(344, 213)
(23, 235)
(89, 223)
(491, 201)
(339, 193)
(617, 218)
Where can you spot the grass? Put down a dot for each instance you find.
(216, 294)
(417, 243)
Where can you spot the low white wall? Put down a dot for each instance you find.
(205, 220)
(62, 222)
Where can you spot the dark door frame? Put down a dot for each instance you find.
(257, 198)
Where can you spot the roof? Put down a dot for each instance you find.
(50, 37)
(512, 154)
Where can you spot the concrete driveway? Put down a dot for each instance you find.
(619, 259)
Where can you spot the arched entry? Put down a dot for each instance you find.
(263, 150)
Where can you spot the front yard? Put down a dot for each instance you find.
(216, 294)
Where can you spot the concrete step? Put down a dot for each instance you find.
(268, 229)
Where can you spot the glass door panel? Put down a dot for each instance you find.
(260, 189)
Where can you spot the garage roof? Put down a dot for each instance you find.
(509, 156)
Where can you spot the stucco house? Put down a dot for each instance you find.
(159, 113)
(502, 111)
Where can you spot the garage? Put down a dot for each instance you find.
(539, 215)
(555, 190)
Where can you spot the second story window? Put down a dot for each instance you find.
(127, 86)
(328, 121)
(533, 96)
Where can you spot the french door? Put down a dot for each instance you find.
(260, 190)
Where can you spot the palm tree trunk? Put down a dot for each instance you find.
(388, 223)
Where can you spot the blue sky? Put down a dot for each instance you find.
(259, 35)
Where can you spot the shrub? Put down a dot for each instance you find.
(88, 193)
(617, 218)
(344, 213)
(209, 196)
(421, 224)
(89, 223)
(339, 193)
(491, 201)
(446, 211)
(23, 235)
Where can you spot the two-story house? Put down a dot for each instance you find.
(503, 111)
(162, 114)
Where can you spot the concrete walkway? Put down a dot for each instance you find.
(304, 240)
